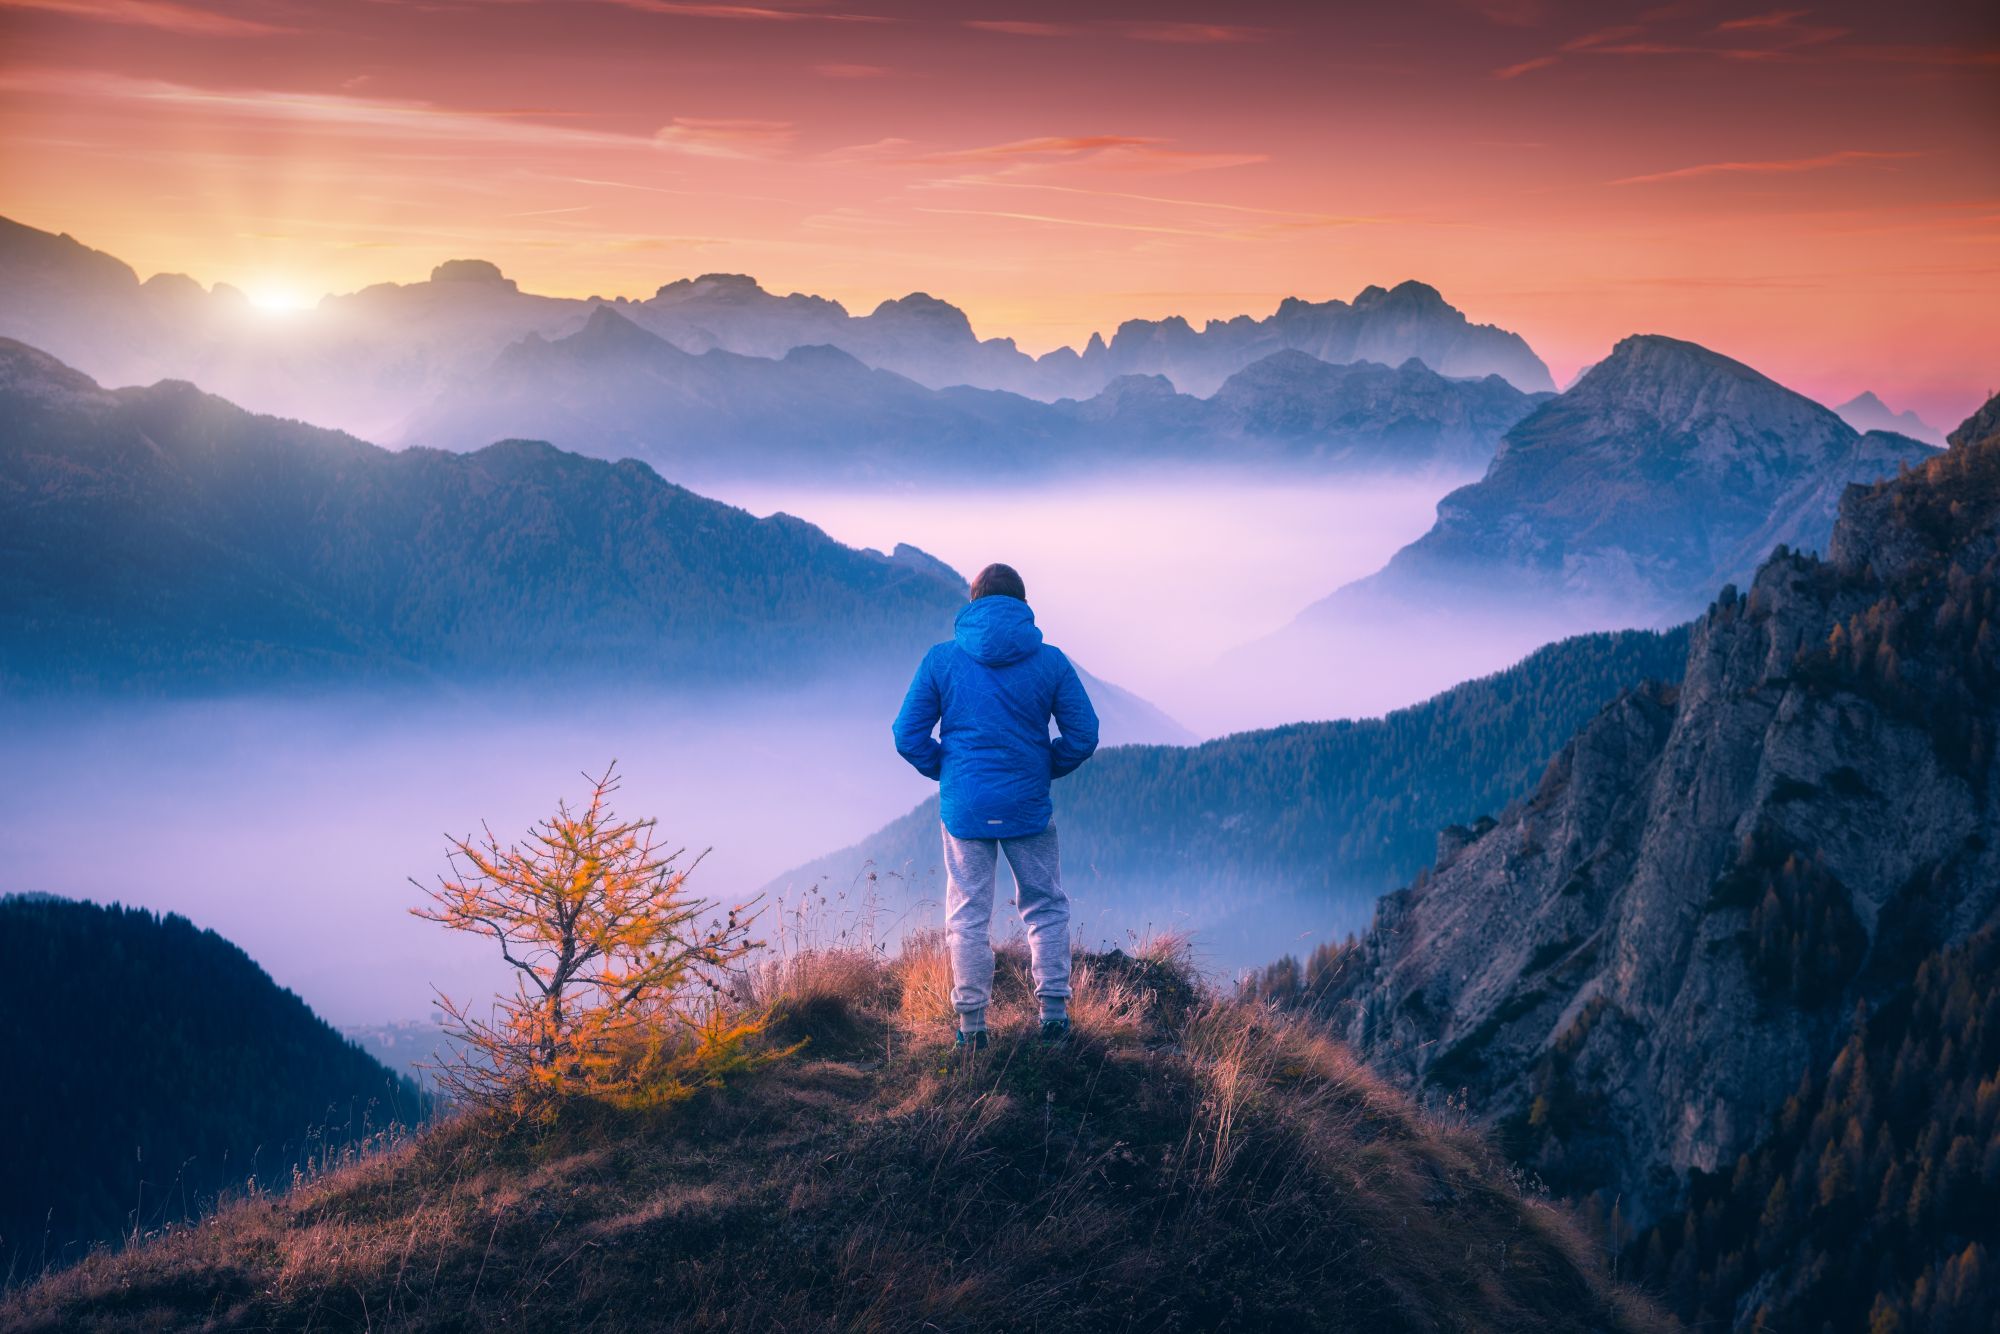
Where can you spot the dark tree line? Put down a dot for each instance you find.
(151, 1065)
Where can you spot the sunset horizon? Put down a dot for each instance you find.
(1807, 189)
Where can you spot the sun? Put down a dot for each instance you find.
(279, 298)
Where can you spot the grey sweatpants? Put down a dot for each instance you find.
(970, 867)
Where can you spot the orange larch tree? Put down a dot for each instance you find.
(619, 969)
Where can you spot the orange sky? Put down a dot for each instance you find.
(1812, 188)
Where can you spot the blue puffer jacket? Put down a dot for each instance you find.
(994, 687)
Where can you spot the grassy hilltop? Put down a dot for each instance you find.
(1188, 1162)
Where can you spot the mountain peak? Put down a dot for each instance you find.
(608, 332)
(1407, 295)
(482, 271)
(824, 356)
(722, 286)
(1867, 412)
(1658, 372)
(922, 307)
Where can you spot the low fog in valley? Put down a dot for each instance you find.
(291, 827)
(291, 824)
(1153, 582)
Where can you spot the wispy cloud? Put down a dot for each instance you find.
(401, 119)
(410, 120)
(694, 9)
(726, 138)
(1784, 166)
(1190, 34)
(1138, 30)
(1021, 27)
(162, 14)
(840, 71)
(1528, 66)
(1112, 152)
(1775, 19)
(1777, 36)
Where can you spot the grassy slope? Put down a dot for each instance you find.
(1187, 1163)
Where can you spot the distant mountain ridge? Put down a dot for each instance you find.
(165, 537)
(1865, 412)
(165, 540)
(614, 388)
(369, 361)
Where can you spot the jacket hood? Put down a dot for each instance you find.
(997, 630)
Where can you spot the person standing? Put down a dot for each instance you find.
(990, 693)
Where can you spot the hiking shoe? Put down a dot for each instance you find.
(1055, 1031)
(974, 1041)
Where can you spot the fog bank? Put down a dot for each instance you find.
(1147, 581)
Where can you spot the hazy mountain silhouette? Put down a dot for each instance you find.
(1866, 412)
(614, 388)
(371, 360)
(164, 536)
(165, 539)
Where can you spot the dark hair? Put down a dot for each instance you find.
(998, 581)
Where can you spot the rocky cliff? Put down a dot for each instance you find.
(1631, 970)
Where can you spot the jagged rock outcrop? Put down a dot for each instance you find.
(1389, 326)
(1631, 970)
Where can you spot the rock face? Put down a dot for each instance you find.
(1665, 472)
(1632, 969)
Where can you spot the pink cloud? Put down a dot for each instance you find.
(726, 138)
(161, 14)
(1525, 67)
(1785, 166)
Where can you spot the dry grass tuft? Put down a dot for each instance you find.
(1184, 1162)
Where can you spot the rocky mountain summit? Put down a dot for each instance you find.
(1389, 325)
(1665, 472)
(1639, 971)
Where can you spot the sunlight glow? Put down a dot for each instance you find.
(278, 299)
